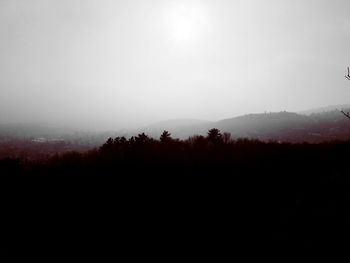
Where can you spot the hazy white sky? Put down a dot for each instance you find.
(118, 64)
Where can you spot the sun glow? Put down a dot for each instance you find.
(185, 22)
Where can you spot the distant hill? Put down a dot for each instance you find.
(180, 128)
(267, 126)
(313, 126)
(280, 126)
(325, 109)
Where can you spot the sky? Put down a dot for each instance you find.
(121, 64)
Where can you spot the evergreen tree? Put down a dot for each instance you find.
(214, 135)
(165, 137)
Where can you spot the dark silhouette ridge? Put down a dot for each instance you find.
(261, 194)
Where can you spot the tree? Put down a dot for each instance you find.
(142, 138)
(347, 114)
(108, 145)
(165, 137)
(348, 76)
(214, 135)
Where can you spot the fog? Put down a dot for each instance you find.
(122, 64)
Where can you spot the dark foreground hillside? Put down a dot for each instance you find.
(170, 194)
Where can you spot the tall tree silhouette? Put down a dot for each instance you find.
(107, 147)
(214, 135)
(142, 138)
(165, 137)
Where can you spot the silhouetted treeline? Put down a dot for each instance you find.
(196, 155)
(265, 192)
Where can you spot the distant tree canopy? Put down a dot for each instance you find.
(143, 144)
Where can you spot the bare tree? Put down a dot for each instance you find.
(348, 76)
(347, 114)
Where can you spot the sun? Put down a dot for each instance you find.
(184, 22)
(182, 27)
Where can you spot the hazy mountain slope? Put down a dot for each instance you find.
(325, 109)
(281, 126)
(179, 128)
(269, 126)
(287, 126)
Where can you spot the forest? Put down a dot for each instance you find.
(268, 192)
